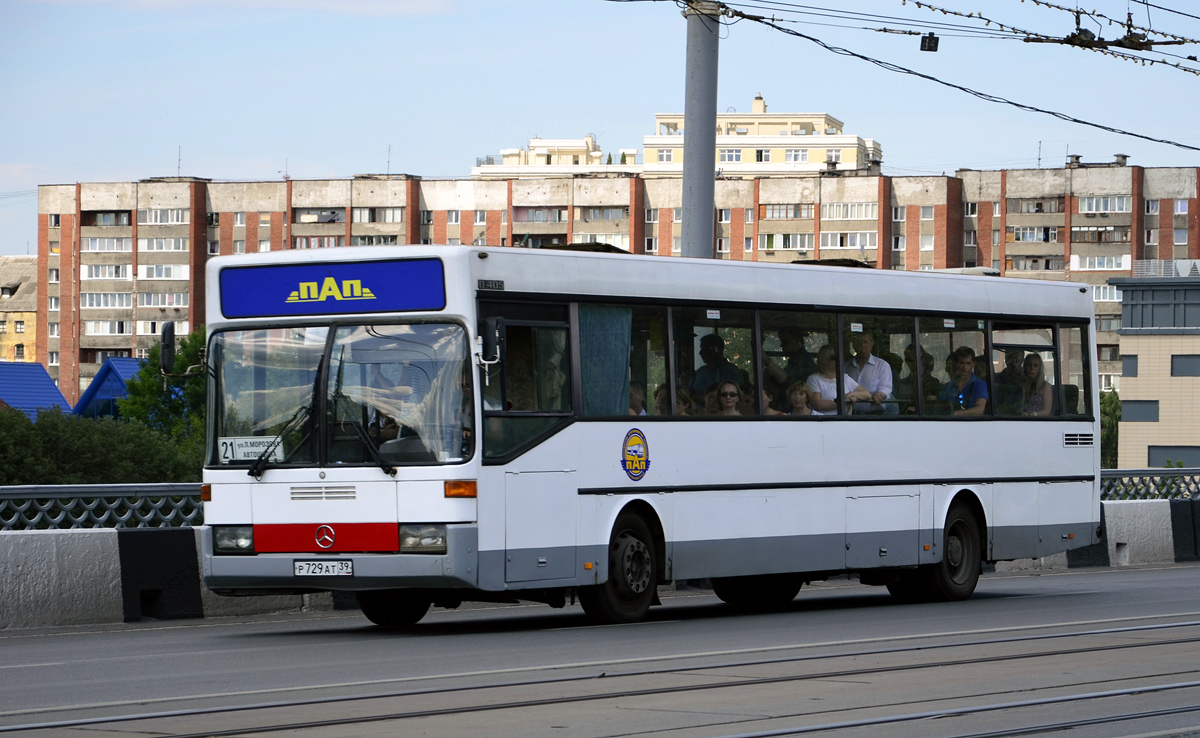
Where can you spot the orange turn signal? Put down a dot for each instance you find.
(460, 488)
(206, 493)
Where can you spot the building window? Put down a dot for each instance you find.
(163, 299)
(20, 352)
(104, 271)
(1181, 207)
(452, 217)
(1180, 236)
(666, 156)
(52, 330)
(1139, 411)
(1033, 234)
(1108, 204)
(239, 247)
(730, 155)
(1110, 382)
(1106, 293)
(1036, 205)
(316, 215)
(426, 217)
(996, 237)
(164, 216)
(970, 238)
(107, 244)
(1152, 207)
(787, 241)
(897, 243)
(105, 219)
(239, 219)
(19, 326)
(1101, 262)
(723, 215)
(926, 212)
(264, 245)
(676, 244)
(386, 240)
(318, 242)
(162, 244)
(53, 303)
(1100, 234)
(970, 209)
(762, 155)
(651, 245)
(1151, 236)
(833, 155)
(54, 247)
(1035, 263)
(1108, 323)
(722, 245)
(927, 242)
(898, 213)
(214, 248)
(749, 217)
(748, 244)
(3, 326)
(651, 215)
(996, 210)
(480, 217)
(847, 240)
(109, 327)
(1108, 353)
(678, 216)
(53, 358)
(796, 156)
(849, 211)
(167, 271)
(377, 215)
(105, 300)
(1185, 365)
(52, 276)
(53, 220)
(264, 220)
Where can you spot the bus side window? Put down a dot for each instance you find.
(623, 359)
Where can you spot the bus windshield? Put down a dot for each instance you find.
(378, 395)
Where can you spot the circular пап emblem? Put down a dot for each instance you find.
(324, 536)
(635, 456)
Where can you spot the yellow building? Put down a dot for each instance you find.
(18, 308)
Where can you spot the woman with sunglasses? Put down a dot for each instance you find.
(728, 397)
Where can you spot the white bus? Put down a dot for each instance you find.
(429, 425)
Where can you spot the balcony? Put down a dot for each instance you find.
(1166, 268)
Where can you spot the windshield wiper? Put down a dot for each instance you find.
(365, 438)
(259, 465)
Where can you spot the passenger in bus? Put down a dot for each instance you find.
(873, 374)
(746, 400)
(716, 367)
(906, 386)
(729, 396)
(966, 393)
(798, 394)
(824, 386)
(1010, 395)
(637, 399)
(711, 406)
(800, 363)
(771, 398)
(1037, 391)
(683, 401)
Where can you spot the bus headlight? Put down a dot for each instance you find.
(233, 539)
(423, 539)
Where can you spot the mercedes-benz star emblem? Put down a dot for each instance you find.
(325, 536)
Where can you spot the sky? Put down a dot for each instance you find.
(121, 90)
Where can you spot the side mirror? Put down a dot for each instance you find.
(493, 340)
(166, 350)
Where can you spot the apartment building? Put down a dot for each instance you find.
(18, 309)
(1160, 360)
(119, 259)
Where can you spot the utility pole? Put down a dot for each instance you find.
(700, 127)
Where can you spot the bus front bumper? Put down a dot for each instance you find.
(277, 573)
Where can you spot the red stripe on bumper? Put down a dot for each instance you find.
(315, 537)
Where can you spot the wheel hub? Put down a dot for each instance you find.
(635, 564)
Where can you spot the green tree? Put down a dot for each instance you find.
(174, 407)
(81, 450)
(610, 158)
(21, 457)
(1110, 418)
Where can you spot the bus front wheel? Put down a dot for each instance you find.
(957, 574)
(394, 609)
(632, 575)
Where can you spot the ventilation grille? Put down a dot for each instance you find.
(1077, 439)
(324, 493)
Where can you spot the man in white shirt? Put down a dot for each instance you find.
(874, 374)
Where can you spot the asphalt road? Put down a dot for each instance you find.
(1118, 648)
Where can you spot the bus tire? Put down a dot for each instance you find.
(393, 609)
(763, 591)
(957, 574)
(632, 575)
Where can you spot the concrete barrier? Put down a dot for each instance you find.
(79, 577)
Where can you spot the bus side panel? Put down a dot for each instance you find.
(1014, 525)
(1059, 525)
(737, 533)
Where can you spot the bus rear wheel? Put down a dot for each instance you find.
(632, 575)
(764, 591)
(394, 609)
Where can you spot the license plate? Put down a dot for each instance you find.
(342, 568)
